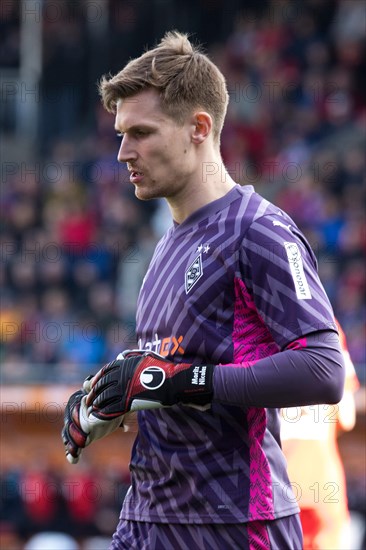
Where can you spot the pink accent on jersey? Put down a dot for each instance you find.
(258, 536)
(300, 343)
(250, 345)
(261, 496)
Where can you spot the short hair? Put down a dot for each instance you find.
(185, 78)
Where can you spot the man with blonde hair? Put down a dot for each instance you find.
(232, 323)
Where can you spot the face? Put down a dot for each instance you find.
(158, 152)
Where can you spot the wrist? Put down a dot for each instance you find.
(198, 385)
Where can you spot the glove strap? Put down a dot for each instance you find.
(198, 386)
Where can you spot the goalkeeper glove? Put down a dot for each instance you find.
(80, 429)
(139, 380)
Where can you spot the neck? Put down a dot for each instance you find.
(210, 184)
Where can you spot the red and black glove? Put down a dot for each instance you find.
(139, 380)
(73, 436)
(80, 427)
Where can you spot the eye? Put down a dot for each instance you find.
(119, 135)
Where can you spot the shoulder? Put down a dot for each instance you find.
(273, 225)
(274, 237)
(260, 226)
(256, 210)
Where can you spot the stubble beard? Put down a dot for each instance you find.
(154, 189)
(148, 192)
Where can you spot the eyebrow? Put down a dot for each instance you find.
(134, 127)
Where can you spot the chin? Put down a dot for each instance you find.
(146, 192)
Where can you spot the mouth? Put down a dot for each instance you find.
(136, 176)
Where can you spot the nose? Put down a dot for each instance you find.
(126, 152)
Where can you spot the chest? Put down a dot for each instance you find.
(188, 290)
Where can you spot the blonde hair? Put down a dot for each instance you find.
(185, 78)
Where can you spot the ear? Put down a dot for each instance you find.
(202, 126)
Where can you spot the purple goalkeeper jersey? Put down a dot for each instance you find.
(234, 283)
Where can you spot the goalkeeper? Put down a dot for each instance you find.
(232, 323)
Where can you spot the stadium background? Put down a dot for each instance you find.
(75, 242)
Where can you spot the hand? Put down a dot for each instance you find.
(139, 380)
(73, 436)
(81, 428)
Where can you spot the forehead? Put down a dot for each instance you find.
(142, 108)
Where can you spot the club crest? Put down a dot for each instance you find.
(193, 273)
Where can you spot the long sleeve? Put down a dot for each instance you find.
(305, 373)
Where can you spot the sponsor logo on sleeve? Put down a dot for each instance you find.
(297, 271)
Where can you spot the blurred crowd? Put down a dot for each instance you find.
(83, 503)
